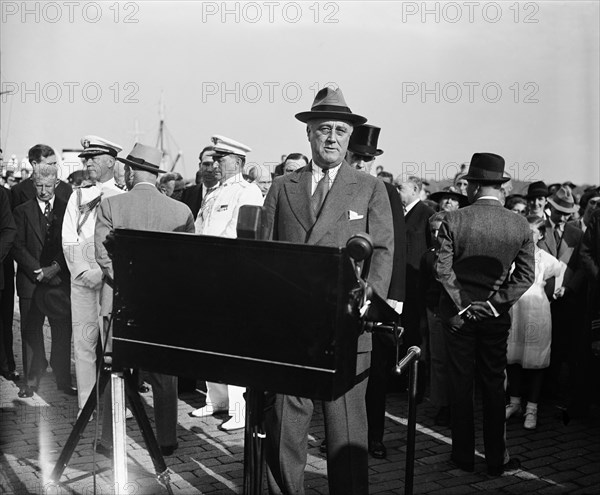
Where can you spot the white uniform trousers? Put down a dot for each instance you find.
(227, 398)
(85, 310)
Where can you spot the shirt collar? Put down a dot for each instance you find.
(42, 204)
(410, 206)
(488, 197)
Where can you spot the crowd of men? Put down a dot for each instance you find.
(451, 265)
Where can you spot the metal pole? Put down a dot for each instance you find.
(119, 431)
(412, 359)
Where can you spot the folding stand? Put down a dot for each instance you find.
(118, 425)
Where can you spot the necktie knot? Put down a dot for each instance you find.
(318, 197)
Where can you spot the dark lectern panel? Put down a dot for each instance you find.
(253, 313)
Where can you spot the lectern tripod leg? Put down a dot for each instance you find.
(254, 442)
(117, 385)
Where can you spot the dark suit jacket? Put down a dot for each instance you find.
(567, 252)
(356, 202)
(31, 251)
(192, 196)
(25, 190)
(590, 250)
(7, 231)
(397, 290)
(478, 245)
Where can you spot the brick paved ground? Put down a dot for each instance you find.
(555, 458)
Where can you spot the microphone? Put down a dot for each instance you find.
(249, 224)
(360, 248)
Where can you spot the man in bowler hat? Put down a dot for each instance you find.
(324, 204)
(143, 207)
(477, 246)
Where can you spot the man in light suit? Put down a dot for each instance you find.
(325, 204)
(361, 155)
(143, 207)
(478, 245)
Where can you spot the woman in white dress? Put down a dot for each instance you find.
(531, 333)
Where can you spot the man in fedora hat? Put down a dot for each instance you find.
(143, 207)
(98, 156)
(537, 198)
(218, 216)
(562, 240)
(41, 263)
(324, 204)
(477, 247)
(361, 155)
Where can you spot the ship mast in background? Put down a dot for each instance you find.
(165, 140)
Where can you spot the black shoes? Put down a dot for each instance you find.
(27, 391)
(511, 465)
(13, 376)
(377, 449)
(167, 450)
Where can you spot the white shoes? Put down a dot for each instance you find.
(207, 410)
(234, 423)
(513, 409)
(530, 422)
(128, 413)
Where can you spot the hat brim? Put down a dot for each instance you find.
(461, 198)
(353, 118)
(563, 209)
(94, 152)
(500, 180)
(140, 166)
(364, 152)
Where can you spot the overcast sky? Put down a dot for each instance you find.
(442, 79)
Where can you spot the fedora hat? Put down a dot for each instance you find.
(537, 189)
(144, 157)
(453, 193)
(363, 140)
(53, 300)
(330, 104)
(486, 168)
(563, 200)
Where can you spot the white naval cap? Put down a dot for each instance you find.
(226, 146)
(95, 145)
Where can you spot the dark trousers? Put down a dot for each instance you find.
(287, 421)
(480, 348)
(34, 358)
(7, 301)
(383, 359)
(164, 390)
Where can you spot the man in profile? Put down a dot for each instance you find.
(324, 204)
(477, 247)
(143, 207)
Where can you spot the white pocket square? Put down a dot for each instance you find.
(352, 215)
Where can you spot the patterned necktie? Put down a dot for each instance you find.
(48, 213)
(318, 197)
(557, 235)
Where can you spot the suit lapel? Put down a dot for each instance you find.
(298, 193)
(336, 203)
(37, 220)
